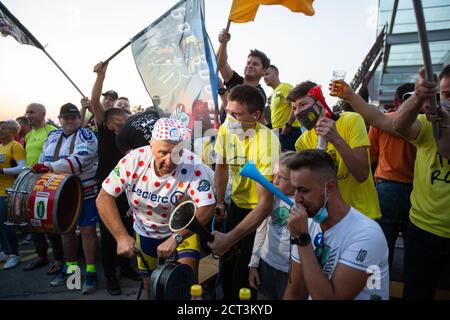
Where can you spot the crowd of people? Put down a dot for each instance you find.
(380, 174)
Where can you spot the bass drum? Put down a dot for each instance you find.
(46, 202)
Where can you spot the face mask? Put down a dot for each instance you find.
(232, 123)
(446, 104)
(322, 214)
(309, 117)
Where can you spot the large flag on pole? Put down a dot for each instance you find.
(11, 26)
(176, 61)
(245, 10)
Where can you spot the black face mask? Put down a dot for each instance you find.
(309, 116)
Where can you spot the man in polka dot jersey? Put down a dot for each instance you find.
(156, 178)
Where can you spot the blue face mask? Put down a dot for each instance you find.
(322, 214)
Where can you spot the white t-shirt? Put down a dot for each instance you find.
(272, 239)
(152, 198)
(358, 242)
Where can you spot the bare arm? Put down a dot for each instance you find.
(220, 181)
(223, 242)
(97, 107)
(296, 287)
(107, 209)
(370, 113)
(356, 159)
(222, 56)
(345, 284)
(251, 222)
(85, 105)
(443, 119)
(405, 120)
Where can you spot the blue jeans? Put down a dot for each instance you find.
(394, 198)
(8, 237)
(287, 141)
(427, 256)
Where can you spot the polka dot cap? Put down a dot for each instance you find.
(170, 129)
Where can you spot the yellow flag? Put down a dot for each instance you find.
(245, 10)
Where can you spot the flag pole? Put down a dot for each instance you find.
(34, 41)
(423, 38)
(219, 53)
(65, 74)
(117, 52)
(219, 63)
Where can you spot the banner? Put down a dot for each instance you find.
(177, 64)
(245, 10)
(10, 26)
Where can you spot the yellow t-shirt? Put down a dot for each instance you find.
(207, 155)
(361, 196)
(12, 150)
(430, 198)
(279, 108)
(261, 146)
(34, 141)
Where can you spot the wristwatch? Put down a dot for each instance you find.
(303, 240)
(221, 91)
(288, 125)
(178, 238)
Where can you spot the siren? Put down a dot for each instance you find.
(183, 217)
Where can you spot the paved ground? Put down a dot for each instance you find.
(19, 284)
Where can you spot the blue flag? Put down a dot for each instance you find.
(177, 64)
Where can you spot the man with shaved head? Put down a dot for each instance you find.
(35, 114)
(34, 141)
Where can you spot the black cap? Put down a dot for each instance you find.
(111, 93)
(69, 109)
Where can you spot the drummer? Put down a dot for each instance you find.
(156, 178)
(73, 150)
(12, 160)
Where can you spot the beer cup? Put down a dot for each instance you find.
(336, 87)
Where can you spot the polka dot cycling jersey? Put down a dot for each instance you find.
(153, 198)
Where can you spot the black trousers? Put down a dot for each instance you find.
(427, 258)
(41, 245)
(108, 245)
(234, 269)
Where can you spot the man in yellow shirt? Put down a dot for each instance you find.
(281, 112)
(346, 142)
(242, 138)
(427, 254)
(34, 141)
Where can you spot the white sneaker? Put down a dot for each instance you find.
(3, 256)
(12, 262)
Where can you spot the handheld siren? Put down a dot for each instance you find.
(316, 92)
(183, 217)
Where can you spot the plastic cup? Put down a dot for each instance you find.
(337, 75)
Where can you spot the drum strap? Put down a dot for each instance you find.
(58, 146)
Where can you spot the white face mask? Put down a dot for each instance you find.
(232, 123)
(446, 104)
